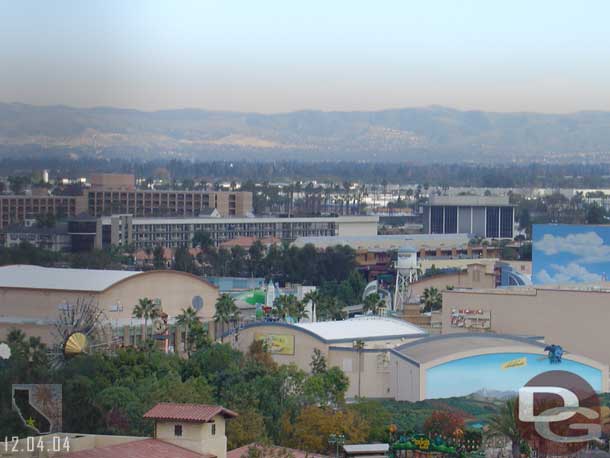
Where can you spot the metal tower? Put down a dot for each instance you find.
(406, 273)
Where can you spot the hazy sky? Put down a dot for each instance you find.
(268, 56)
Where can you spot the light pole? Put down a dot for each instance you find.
(337, 440)
(358, 345)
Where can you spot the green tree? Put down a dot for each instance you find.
(313, 426)
(187, 320)
(595, 214)
(504, 423)
(256, 254)
(203, 240)
(287, 305)
(238, 264)
(183, 261)
(372, 303)
(330, 308)
(145, 309)
(246, 429)
(158, 257)
(432, 299)
(377, 416)
(226, 312)
(318, 362)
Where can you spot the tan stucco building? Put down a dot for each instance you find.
(367, 367)
(32, 297)
(480, 364)
(398, 360)
(574, 317)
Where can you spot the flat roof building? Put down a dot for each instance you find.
(116, 193)
(175, 232)
(490, 217)
(391, 358)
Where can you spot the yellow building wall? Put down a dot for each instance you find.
(196, 436)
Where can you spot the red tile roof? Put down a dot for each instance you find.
(147, 448)
(247, 242)
(187, 412)
(242, 452)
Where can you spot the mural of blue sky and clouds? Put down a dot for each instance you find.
(570, 254)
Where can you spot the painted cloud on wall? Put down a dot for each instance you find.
(570, 254)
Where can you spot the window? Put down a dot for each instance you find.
(493, 222)
(451, 220)
(436, 220)
(506, 222)
(213, 429)
(178, 430)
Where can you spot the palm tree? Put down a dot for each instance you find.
(288, 305)
(359, 345)
(186, 320)
(432, 299)
(372, 303)
(331, 309)
(145, 309)
(504, 423)
(226, 311)
(281, 307)
(300, 312)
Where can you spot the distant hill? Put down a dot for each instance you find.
(426, 134)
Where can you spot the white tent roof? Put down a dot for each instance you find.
(362, 328)
(36, 277)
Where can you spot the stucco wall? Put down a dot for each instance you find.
(175, 290)
(196, 436)
(404, 379)
(577, 320)
(304, 344)
(368, 371)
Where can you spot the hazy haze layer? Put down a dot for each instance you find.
(275, 56)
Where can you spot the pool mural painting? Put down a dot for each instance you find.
(498, 374)
(564, 253)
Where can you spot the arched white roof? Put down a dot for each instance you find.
(36, 277)
(373, 327)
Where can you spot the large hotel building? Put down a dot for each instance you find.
(114, 193)
(145, 233)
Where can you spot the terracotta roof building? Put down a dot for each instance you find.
(187, 412)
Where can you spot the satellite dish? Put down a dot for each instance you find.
(197, 303)
(75, 344)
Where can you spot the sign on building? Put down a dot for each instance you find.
(277, 344)
(470, 318)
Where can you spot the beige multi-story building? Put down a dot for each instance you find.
(145, 233)
(18, 208)
(146, 203)
(116, 193)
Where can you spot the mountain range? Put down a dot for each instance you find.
(415, 134)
